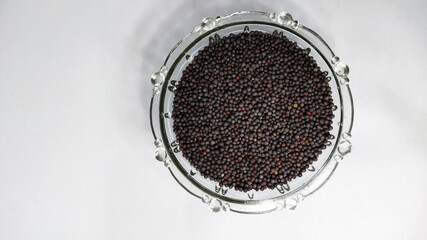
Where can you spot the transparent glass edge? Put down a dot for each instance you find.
(154, 117)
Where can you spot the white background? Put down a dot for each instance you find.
(76, 151)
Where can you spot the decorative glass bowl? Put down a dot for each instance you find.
(286, 196)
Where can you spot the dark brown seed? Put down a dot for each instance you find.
(252, 114)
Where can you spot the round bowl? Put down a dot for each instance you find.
(286, 196)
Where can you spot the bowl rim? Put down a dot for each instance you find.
(165, 153)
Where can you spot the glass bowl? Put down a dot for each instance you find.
(286, 196)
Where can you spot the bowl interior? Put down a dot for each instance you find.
(166, 122)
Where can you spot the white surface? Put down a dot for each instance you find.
(76, 152)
